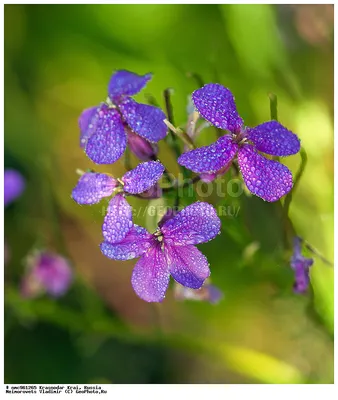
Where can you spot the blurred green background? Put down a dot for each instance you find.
(58, 61)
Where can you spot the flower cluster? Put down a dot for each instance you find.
(170, 250)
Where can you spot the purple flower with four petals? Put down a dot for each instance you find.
(265, 178)
(170, 250)
(301, 266)
(92, 187)
(106, 129)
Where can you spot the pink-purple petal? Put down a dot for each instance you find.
(87, 123)
(265, 178)
(143, 119)
(137, 241)
(188, 266)
(217, 105)
(92, 187)
(150, 277)
(107, 144)
(273, 138)
(142, 149)
(143, 177)
(118, 220)
(196, 223)
(209, 159)
(126, 83)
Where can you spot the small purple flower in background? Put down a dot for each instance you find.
(207, 292)
(14, 185)
(265, 178)
(47, 272)
(169, 251)
(301, 266)
(92, 187)
(105, 129)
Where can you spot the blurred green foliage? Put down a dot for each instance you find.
(58, 60)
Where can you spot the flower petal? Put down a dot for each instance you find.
(188, 266)
(142, 149)
(196, 223)
(118, 220)
(265, 178)
(92, 187)
(150, 277)
(87, 123)
(107, 144)
(145, 120)
(273, 138)
(137, 241)
(217, 105)
(143, 177)
(126, 83)
(210, 158)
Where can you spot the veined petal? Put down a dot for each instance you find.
(273, 138)
(196, 223)
(188, 266)
(145, 120)
(150, 277)
(211, 158)
(126, 83)
(87, 123)
(92, 187)
(143, 177)
(265, 178)
(118, 220)
(217, 105)
(137, 241)
(109, 140)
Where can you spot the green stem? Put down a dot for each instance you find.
(273, 106)
(170, 116)
(197, 78)
(299, 174)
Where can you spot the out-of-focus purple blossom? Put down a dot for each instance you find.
(92, 187)
(104, 128)
(170, 250)
(47, 272)
(14, 185)
(265, 178)
(301, 266)
(207, 292)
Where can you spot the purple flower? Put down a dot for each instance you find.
(14, 185)
(301, 267)
(265, 178)
(170, 250)
(47, 272)
(207, 292)
(104, 129)
(92, 187)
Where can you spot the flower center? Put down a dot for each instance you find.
(240, 137)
